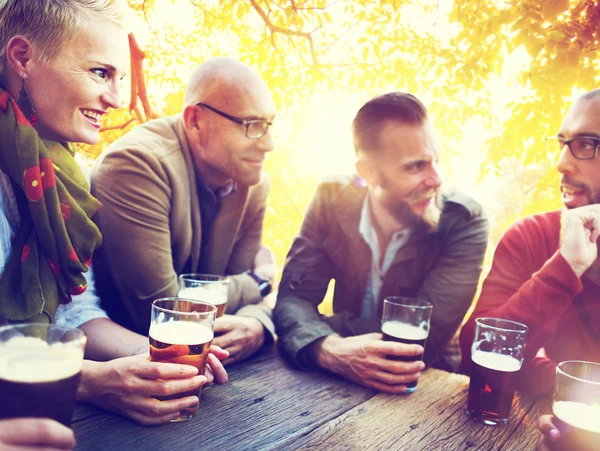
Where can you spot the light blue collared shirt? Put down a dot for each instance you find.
(367, 230)
(84, 307)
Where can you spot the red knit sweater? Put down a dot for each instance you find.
(531, 282)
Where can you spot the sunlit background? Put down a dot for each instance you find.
(496, 76)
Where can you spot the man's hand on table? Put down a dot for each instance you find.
(364, 360)
(28, 434)
(129, 385)
(552, 439)
(239, 335)
(550, 433)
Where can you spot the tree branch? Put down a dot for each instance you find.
(323, 8)
(118, 127)
(138, 88)
(276, 29)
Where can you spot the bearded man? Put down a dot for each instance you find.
(546, 271)
(389, 230)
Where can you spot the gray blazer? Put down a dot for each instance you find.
(442, 267)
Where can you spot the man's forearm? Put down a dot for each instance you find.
(321, 351)
(108, 340)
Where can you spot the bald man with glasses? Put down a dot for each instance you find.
(187, 194)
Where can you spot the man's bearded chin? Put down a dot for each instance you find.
(593, 194)
(432, 214)
(430, 217)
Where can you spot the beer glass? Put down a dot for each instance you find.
(406, 320)
(181, 331)
(206, 288)
(40, 368)
(576, 405)
(497, 354)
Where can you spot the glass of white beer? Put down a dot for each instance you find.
(206, 288)
(181, 331)
(40, 368)
(497, 354)
(406, 320)
(576, 405)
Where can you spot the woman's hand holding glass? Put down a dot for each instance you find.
(129, 386)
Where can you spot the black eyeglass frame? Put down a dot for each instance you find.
(562, 142)
(240, 121)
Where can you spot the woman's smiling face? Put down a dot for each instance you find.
(72, 92)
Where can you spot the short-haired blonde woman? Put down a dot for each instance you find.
(60, 66)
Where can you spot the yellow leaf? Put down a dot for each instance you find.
(556, 35)
(553, 8)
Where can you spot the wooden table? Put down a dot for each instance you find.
(269, 405)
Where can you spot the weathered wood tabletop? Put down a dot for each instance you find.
(268, 405)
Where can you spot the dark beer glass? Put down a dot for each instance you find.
(206, 288)
(497, 354)
(576, 405)
(406, 320)
(40, 368)
(181, 331)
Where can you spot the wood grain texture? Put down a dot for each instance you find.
(265, 404)
(268, 405)
(432, 418)
(83, 411)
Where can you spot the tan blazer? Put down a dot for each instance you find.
(151, 226)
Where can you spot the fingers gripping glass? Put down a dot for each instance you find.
(576, 405)
(582, 147)
(255, 128)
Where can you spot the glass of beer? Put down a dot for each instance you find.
(40, 368)
(406, 320)
(576, 405)
(181, 331)
(497, 354)
(206, 288)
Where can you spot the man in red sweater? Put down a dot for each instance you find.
(545, 272)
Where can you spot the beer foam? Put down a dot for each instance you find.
(30, 360)
(204, 294)
(181, 333)
(405, 331)
(495, 361)
(579, 415)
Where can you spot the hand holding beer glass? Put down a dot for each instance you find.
(406, 320)
(181, 331)
(497, 354)
(576, 405)
(206, 288)
(40, 368)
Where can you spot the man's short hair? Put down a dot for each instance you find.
(394, 106)
(49, 24)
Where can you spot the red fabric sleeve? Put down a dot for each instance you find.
(532, 283)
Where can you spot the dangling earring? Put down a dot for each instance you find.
(26, 105)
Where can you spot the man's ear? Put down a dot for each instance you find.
(19, 55)
(192, 122)
(364, 168)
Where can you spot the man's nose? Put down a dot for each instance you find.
(434, 180)
(567, 163)
(265, 142)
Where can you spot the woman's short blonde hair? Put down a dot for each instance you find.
(49, 24)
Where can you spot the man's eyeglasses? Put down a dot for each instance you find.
(582, 147)
(254, 129)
